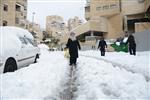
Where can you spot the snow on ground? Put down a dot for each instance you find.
(98, 80)
(139, 63)
(41, 80)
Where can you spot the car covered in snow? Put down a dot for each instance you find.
(17, 49)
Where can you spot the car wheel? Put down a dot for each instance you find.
(37, 56)
(10, 66)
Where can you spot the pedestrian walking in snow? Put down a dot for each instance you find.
(73, 45)
(102, 45)
(132, 45)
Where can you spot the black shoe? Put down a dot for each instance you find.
(70, 64)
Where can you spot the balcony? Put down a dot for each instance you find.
(19, 14)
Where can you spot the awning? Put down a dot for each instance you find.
(92, 25)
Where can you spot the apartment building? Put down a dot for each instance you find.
(74, 22)
(56, 27)
(13, 13)
(111, 18)
(36, 30)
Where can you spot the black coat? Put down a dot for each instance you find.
(131, 41)
(73, 48)
(102, 45)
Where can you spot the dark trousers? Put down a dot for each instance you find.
(132, 50)
(102, 53)
(73, 60)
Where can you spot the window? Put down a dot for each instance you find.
(22, 40)
(18, 7)
(21, 14)
(112, 6)
(17, 20)
(25, 17)
(4, 23)
(25, 0)
(141, 1)
(5, 7)
(87, 9)
(33, 42)
(105, 7)
(22, 24)
(25, 7)
(98, 8)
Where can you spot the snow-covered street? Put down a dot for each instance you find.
(37, 81)
(116, 76)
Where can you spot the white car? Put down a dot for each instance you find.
(17, 49)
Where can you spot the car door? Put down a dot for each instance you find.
(23, 53)
(31, 50)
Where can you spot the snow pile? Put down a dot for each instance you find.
(98, 80)
(43, 46)
(137, 64)
(37, 81)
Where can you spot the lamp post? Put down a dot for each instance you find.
(33, 14)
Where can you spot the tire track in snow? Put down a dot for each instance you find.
(66, 93)
(70, 86)
(117, 65)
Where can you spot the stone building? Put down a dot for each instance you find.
(74, 22)
(36, 30)
(56, 27)
(111, 18)
(13, 13)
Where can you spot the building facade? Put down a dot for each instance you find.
(74, 22)
(111, 18)
(36, 30)
(13, 13)
(56, 27)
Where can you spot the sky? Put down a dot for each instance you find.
(65, 8)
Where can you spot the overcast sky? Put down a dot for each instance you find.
(65, 8)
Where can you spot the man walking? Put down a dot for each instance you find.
(132, 45)
(102, 45)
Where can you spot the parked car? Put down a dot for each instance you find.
(17, 49)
